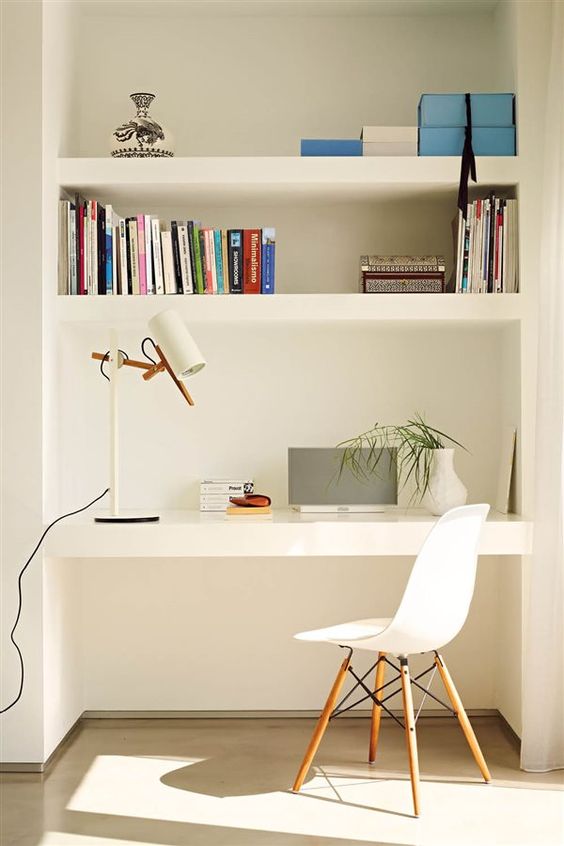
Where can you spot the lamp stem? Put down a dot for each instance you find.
(114, 424)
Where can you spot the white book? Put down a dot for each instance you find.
(459, 252)
(157, 256)
(148, 255)
(213, 507)
(227, 481)
(185, 264)
(168, 263)
(231, 490)
(470, 244)
(63, 258)
(115, 255)
(124, 282)
(134, 256)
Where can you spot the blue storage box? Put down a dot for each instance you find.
(331, 147)
(449, 140)
(450, 110)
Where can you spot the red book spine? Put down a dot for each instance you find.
(251, 261)
(81, 265)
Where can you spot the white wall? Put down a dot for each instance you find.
(217, 635)
(251, 85)
(268, 388)
(20, 361)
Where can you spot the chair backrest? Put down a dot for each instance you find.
(437, 598)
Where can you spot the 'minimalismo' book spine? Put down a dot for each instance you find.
(251, 261)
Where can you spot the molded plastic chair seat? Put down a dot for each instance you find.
(357, 633)
(432, 611)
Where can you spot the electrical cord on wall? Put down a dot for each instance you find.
(22, 571)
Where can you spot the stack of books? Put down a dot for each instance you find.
(402, 274)
(103, 253)
(215, 493)
(486, 248)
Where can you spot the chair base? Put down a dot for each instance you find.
(334, 709)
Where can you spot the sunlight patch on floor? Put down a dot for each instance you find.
(373, 809)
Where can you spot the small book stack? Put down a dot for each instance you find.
(215, 493)
(486, 248)
(103, 253)
(402, 274)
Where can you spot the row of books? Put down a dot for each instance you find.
(103, 253)
(406, 274)
(486, 247)
(215, 493)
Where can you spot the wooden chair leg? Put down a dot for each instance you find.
(321, 724)
(462, 717)
(376, 709)
(410, 735)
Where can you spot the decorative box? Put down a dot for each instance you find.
(450, 110)
(331, 147)
(449, 140)
(442, 118)
(389, 140)
(377, 285)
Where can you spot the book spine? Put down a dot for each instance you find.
(168, 263)
(108, 264)
(87, 273)
(123, 281)
(78, 202)
(101, 249)
(134, 256)
(209, 261)
(192, 257)
(268, 253)
(225, 490)
(141, 254)
(73, 274)
(176, 256)
(203, 257)
(225, 261)
(491, 251)
(94, 246)
(63, 256)
(466, 253)
(218, 254)
(235, 259)
(81, 265)
(157, 256)
(115, 255)
(499, 249)
(198, 264)
(149, 255)
(251, 261)
(185, 267)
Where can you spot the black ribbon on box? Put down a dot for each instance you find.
(468, 165)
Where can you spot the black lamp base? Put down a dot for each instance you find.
(128, 518)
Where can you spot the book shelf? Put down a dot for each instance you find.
(311, 365)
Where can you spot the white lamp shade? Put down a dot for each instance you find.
(176, 342)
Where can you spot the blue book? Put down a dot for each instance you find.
(109, 256)
(218, 261)
(267, 258)
(331, 147)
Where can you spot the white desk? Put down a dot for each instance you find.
(184, 534)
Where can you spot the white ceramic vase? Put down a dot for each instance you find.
(445, 489)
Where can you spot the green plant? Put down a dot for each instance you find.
(414, 443)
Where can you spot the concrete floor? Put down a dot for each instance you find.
(184, 782)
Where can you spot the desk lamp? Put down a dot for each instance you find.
(179, 356)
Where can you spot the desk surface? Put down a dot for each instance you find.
(185, 534)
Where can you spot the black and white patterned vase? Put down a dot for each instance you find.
(142, 137)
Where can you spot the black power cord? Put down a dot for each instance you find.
(22, 571)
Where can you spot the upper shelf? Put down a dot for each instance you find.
(473, 309)
(284, 177)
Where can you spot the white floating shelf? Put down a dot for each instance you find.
(287, 534)
(338, 308)
(228, 178)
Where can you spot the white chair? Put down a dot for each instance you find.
(432, 611)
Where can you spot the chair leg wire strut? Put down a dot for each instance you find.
(334, 709)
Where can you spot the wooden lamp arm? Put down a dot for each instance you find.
(152, 370)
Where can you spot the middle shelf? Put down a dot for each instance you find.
(311, 308)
